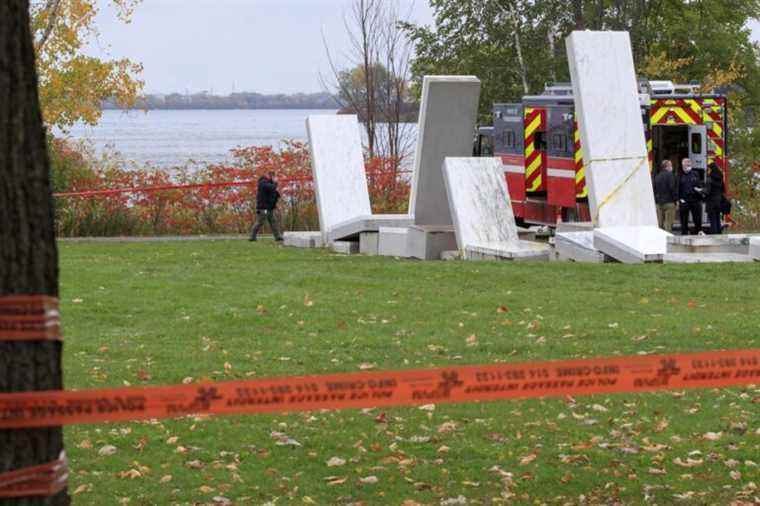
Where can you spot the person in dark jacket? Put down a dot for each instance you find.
(715, 191)
(666, 195)
(689, 198)
(266, 202)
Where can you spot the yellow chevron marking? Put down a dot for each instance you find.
(684, 116)
(529, 149)
(534, 165)
(533, 126)
(656, 117)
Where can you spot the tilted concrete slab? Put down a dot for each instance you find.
(427, 242)
(446, 127)
(352, 228)
(609, 117)
(632, 244)
(337, 163)
(392, 242)
(578, 247)
(303, 239)
(482, 211)
(704, 258)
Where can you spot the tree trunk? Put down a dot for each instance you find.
(28, 255)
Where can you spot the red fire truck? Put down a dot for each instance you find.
(539, 144)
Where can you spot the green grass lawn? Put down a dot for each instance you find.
(161, 313)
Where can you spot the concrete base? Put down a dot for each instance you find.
(524, 251)
(392, 242)
(451, 255)
(303, 239)
(703, 258)
(350, 230)
(754, 248)
(368, 242)
(632, 245)
(575, 226)
(578, 247)
(345, 247)
(427, 242)
(729, 243)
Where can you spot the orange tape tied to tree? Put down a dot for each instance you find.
(29, 318)
(42, 480)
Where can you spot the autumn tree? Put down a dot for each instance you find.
(28, 255)
(72, 84)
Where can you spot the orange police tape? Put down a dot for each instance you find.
(393, 388)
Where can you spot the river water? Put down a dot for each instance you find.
(171, 138)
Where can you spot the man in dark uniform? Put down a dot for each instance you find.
(689, 198)
(266, 202)
(666, 196)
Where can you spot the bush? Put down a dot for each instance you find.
(211, 208)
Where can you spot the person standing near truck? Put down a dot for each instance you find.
(715, 194)
(666, 195)
(689, 198)
(266, 203)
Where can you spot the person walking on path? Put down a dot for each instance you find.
(266, 202)
(715, 192)
(666, 196)
(689, 198)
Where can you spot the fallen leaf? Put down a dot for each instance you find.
(166, 479)
(307, 301)
(80, 489)
(336, 461)
(427, 407)
(689, 462)
(712, 436)
(195, 464)
(335, 480)
(365, 366)
(368, 480)
(527, 459)
(107, 450)
(502, 309)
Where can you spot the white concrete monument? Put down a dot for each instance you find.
(614, 148)
(446, 127)
(340, 180)
(482, 211)
(754, 248)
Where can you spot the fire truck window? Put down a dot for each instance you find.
(696, 143)
(540, 141)
(510, 141)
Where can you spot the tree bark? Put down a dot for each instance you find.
(28, 254)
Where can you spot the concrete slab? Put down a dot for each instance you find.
(446, 127)
(368, 243)
(702, 258)
(728, 243)
(632, 244)
(575, 226)
(427, 242)
(392, 242)
(369, 223)
(345, 247)
(303, 239)
(482, 211)
(609, 118)
(338, 169)
(754, 248)
(578, 247)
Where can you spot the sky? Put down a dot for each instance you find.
(264, 46)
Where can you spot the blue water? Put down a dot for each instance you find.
(170, 138)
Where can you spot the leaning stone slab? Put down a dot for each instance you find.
(482, 212)
(578, 247)
(369, 223)
(368, 242)
(632, 244)
(609, 117)
(345, 247)
(303, 239)
(703, 258)
(427, 242)
(446, 125)
(392, 242)
(338, 169)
